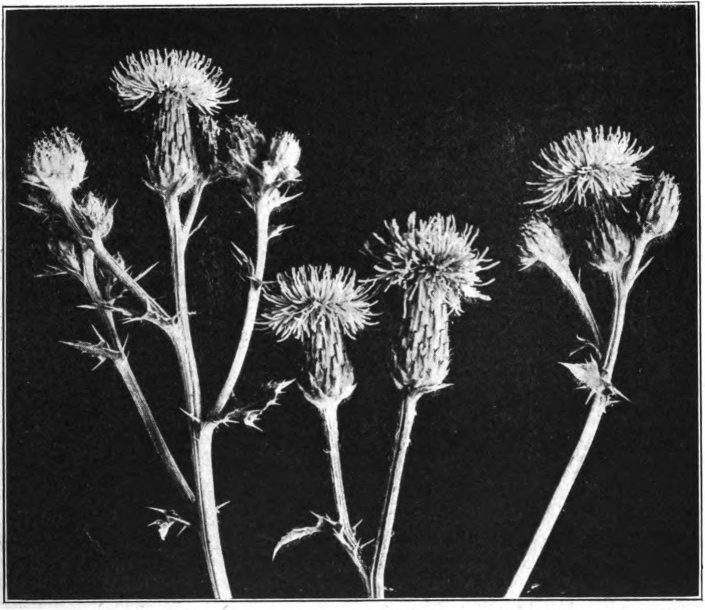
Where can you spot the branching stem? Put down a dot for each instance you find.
(622, 285)
(253, 298)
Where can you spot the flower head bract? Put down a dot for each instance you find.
(432, 255)
(588, 163)
(186, 74)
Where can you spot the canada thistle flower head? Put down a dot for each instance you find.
(318, 307)
(542, 243)
(659, 212)
(610, 246)
(434, 254)
(97, 216)
(438, 268)
(154, 75)
(177, 81)
(57, 164)
(588, 163)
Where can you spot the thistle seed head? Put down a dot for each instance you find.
(658, 213)
(542, 243)
(590, 162)
(57, 164)
(154, 74)
(434, 255)
(318, 307)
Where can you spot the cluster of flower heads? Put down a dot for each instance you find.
(154, 74)
(588, 163)
(431, 254)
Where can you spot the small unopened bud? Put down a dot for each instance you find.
(244, 148)
(65, 253)
(610, 247)
(542, 244)
(58, 165)
(284, 156)
(97, 216)
(658, 213)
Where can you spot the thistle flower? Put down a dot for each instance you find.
(318, 308)
(437, 268)
(586, 163)
(610, 246)
(177, 81)
(284, 156)
(58, 165)
(658, 213)
(97, 216)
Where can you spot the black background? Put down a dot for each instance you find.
(397, 109)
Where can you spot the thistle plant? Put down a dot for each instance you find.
(437, 267)
(319, 308)
(598, 171)
(192, 148)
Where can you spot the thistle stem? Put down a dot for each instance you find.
(123, 367)
(253, 298)
(330, 419)
(384, 537)
(201, 432)
(621, 287)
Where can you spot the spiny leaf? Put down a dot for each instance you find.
(300, 533)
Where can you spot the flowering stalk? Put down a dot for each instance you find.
(619, 256)
(264, 182)
(438, 268)
(318, 308)
(178, 81)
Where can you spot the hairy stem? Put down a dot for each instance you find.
(386, 528)
(330, 419)
(253, 298)
(201, 433)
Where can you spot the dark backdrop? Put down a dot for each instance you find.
(398, 109)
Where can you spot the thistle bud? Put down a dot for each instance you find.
(610, 247)
(65, 253)
(658, 213)
(245, 143)
(284, 156)
(542, 243)
(97, 216)
(208, 145)
(58, 165)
